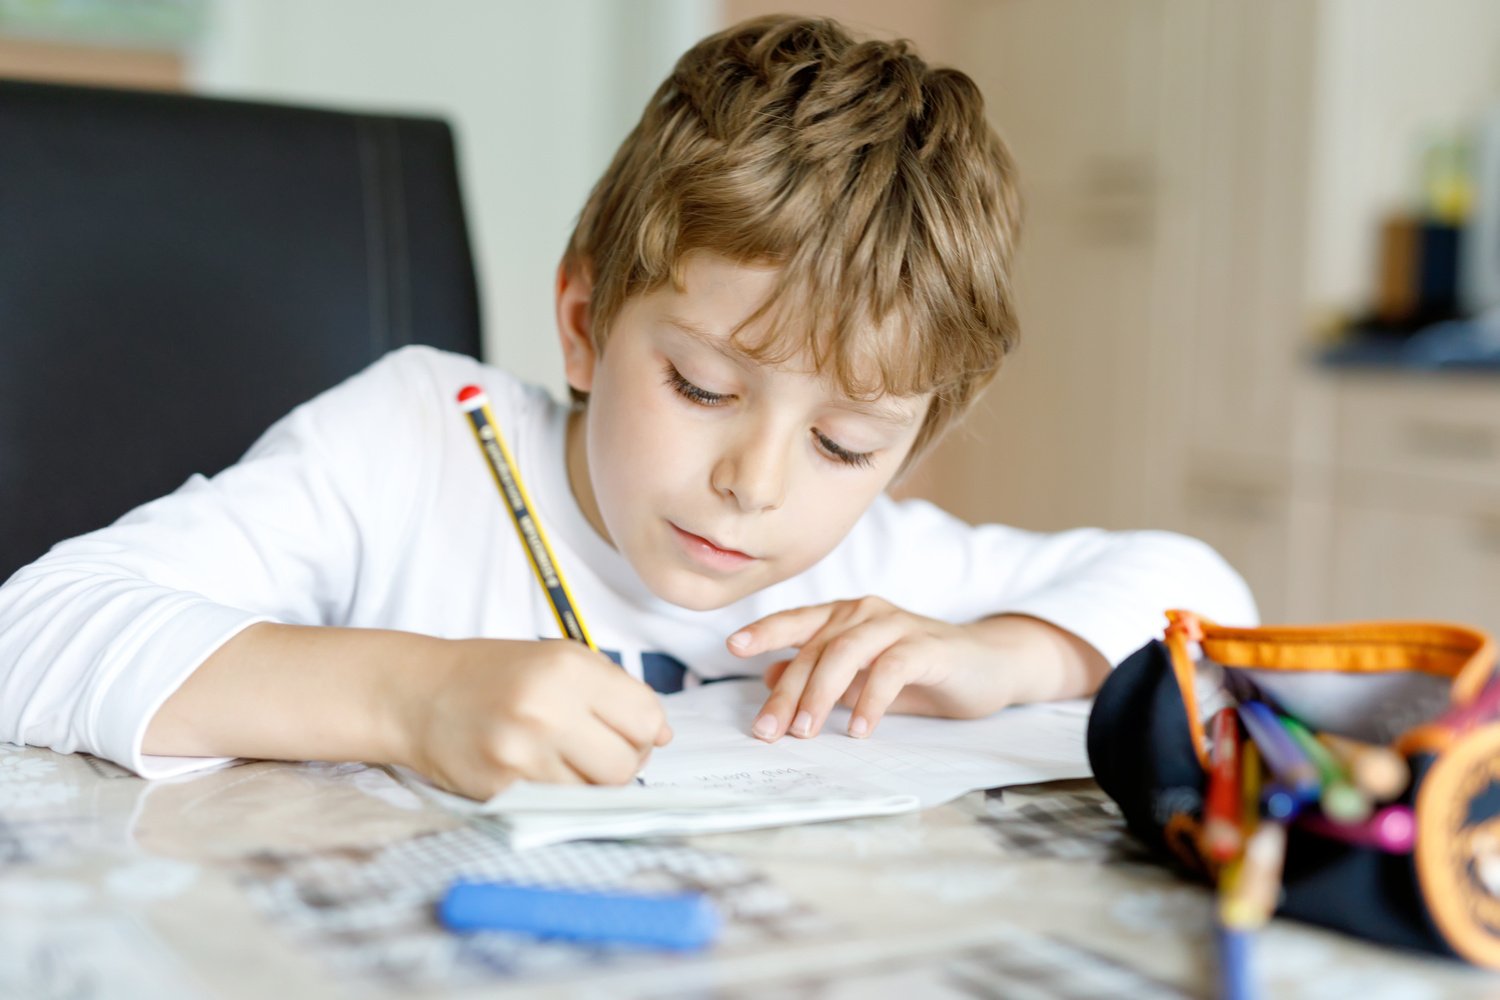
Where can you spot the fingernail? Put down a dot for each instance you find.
(802, 724)
(765, 726)
(859, 727)
(739, 640)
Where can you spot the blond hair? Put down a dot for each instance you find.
(869, 179)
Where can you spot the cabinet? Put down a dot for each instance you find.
(1180, 161)
(1417, 560)
(1416, 496)
(1161, 147)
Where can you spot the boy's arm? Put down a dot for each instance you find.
(1107, 587)
(472, 715)
(1063, 665)
(155, 642)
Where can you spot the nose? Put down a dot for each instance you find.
(752, 472)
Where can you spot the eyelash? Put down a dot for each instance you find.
(831, 448)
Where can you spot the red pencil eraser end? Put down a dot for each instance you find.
(468, 392)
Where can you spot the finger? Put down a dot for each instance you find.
(774, 672)
(843, 657)
(886, 678)
(631, 709)
(850, 697)
(663, 735)
(601, 755)
(552, 769)
(782, 630)
(778, 713)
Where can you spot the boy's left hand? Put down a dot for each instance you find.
(874, 657)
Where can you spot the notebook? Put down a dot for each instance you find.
(714, 776)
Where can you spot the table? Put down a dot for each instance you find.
(317, 880)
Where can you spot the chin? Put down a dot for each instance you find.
(695, 593)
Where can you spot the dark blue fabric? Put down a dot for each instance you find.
(665, 674)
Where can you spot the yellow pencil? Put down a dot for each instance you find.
(487, 432)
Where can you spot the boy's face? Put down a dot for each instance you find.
(715, 475)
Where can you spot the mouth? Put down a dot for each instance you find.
(709, 553)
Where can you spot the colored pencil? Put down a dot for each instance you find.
(1378, 771)
(1236, 942)
(1283, 802)
(1341, 801)
(1235, 981)
(1249, 787)
(1253, 897)
(1222, 821)
(1392, 829)
(1283, 757)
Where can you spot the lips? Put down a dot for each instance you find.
(709, 552)
(714, 545)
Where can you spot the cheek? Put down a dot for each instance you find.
(639, 446)
(825, 515)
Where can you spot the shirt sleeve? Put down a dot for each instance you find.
(98, 633)
(1109, 588)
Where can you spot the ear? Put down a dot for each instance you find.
(574, 292)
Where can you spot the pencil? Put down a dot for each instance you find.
(1392, 830)
(1296, 776)
(1236, 981)
(1379, 771)
(487, 432)
(1341, 800)
(1251, 900)
(1222, 824)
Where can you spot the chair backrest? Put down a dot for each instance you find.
(178, 272)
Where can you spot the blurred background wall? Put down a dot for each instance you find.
(1242, 280)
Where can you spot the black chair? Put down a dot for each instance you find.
(178, 272)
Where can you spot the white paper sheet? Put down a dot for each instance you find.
(715, 776)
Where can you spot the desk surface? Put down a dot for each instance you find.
(318, 880)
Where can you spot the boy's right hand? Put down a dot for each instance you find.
(500, 711)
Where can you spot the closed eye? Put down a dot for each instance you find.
(703, 397)
(690, 391)
(858, 459)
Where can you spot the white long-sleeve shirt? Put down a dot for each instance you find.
(371, 506)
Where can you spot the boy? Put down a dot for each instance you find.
(789, 282)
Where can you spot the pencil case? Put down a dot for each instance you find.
(1382, 682)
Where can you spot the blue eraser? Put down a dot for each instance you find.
(680, 921)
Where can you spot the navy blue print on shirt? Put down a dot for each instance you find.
(664, 673)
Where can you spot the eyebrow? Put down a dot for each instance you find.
(885, 414)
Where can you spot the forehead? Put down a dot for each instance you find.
(732, 309)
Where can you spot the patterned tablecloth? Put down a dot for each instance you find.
(287, 881)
